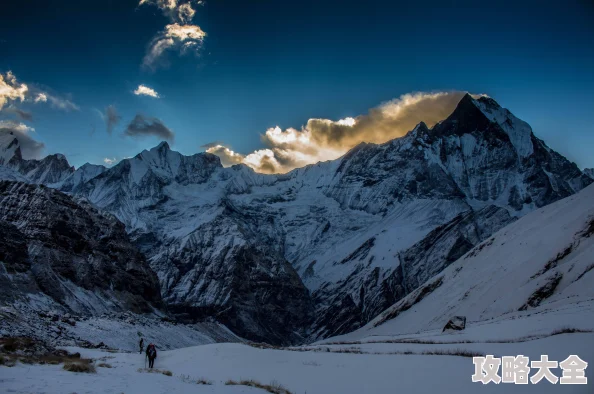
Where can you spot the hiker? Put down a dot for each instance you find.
(151, 353)
(141, 344)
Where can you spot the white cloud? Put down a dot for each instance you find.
(59, 103)
(227, 156)
(18, 126)
(143, 90)
(10, 89)
(324, 139)
(184, 38)
(41, 97)
(109, 161)
(185, 32)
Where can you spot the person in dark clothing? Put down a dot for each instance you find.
(151, 353)
(141, 344)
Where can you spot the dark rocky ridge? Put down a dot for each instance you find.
(68, 250)
(262, 297)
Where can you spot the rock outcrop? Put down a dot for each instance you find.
(66, 251)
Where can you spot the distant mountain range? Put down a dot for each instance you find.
(321, 250)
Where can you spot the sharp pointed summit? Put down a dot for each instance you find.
(163, 145)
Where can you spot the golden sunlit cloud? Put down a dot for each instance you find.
(324, 139)
(185, 38)
(176, 10)
(10, 89)
(180, 34)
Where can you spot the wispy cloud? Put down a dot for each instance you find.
(183, 38)
(143, 90)
(142, 126)
(324, 139)
(61, 103)
(110, 116)
(19, 113)
(40, 98)
(30, 148)
(179, 35)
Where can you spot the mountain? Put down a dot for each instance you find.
(589, 172)
(83, 174)
(64, 253)
(480, 157)
(49, 170)
(524, 277)
(324, 249)
(9, 145)
(212, 260)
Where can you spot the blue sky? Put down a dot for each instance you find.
(272, 63)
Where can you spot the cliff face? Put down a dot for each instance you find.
(67, 250)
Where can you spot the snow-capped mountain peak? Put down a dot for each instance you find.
(83, 174)
(519, 132)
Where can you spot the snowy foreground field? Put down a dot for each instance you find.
(371, 368)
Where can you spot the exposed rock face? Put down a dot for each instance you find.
(80, 257)
(339, 240)
(378, 289)
(589, 172)
(447, 243)
(533, 267)
(225, 269)
(456, 323)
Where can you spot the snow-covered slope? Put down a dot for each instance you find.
(83, 174)
(114, 330)
(535, 275)
(323, 249)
